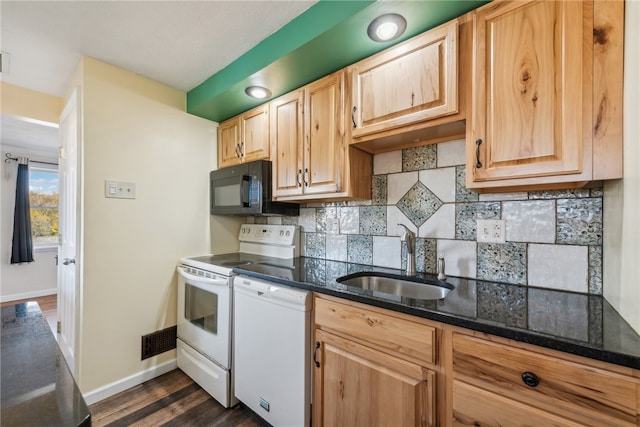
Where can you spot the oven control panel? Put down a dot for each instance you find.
(286, 235)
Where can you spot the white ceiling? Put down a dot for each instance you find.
(180, 43)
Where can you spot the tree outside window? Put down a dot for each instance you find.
(43, 198)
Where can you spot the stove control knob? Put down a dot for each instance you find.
(288, 233)
(281, 233)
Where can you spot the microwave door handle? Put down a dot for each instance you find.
(245, 188)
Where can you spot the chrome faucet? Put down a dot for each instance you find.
(441, 275)
(409, 237)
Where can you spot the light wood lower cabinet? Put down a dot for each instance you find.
(365, 372)
(376, 367)
(496, 382)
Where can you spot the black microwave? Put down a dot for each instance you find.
(245, 189)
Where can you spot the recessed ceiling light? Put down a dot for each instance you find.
(387, 27)
(258, 92)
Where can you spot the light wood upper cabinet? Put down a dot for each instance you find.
(310, 157)
(244, 138)
(408, 84)
(534, 96)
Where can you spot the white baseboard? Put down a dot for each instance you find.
(27, 295)
(116, 387)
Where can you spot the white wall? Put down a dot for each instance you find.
(136, 130)
(37, 278)
(622, 198)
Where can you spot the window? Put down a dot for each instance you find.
(43, 200)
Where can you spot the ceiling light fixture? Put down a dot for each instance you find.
(387, 27)
(258, 92)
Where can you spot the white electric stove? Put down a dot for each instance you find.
(205, 301)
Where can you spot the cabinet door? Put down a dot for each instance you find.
(408, 83)
(286, 132)
(229, 143)
(255, 134)
(324, 151)
(527, 92)
(355, 385)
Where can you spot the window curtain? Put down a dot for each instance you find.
(22, 247)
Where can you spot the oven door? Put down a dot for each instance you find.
(204, 315)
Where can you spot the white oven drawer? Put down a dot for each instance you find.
(211, 377)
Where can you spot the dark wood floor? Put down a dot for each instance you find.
(170, 400)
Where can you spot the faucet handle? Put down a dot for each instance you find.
(406, 230)
(441, 275)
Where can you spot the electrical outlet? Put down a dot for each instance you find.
(491, 230)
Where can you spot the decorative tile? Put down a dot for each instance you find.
(530, 221)
(468, 213)
(274, 220)
(322, 214)
(315, 246)
(349, 218)
(459, 256)
(303, 243)
(289, 220)
(419, 158)
(379, 190)
(395, 217)
(418, 204)
(451, 153)
(390, 162)
(595, 270)
(373, 220)
(360, 249)
(462, 193)
(498, 197)
(357, 268)
(425, 255)
(559, 313)
(307, 220)
(442, 224)
(561, 267)
(386, 251)
(441, 182)
(315, 271)
(336, 247)
(260, 220)
(579, 221)
(597, 192)
(560, 194)
(398, 184)
(506, 304)
(503, 262)
(335, 269)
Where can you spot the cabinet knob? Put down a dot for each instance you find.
(530, 379)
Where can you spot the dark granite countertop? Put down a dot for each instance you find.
(37, 386)
(580, 324)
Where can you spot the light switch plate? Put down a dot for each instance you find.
(119, 189)
(491, 231)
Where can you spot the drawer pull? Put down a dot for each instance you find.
(530, 379)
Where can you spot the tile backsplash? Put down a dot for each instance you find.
(553, 238)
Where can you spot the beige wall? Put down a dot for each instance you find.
(18, 101)
(136, 130)
(622, 198)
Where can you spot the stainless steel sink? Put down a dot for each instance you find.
(403, 286)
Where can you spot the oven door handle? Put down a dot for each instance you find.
(219, 281)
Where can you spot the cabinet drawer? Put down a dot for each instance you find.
(575, 390)
(402, 336)
(474, 406)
